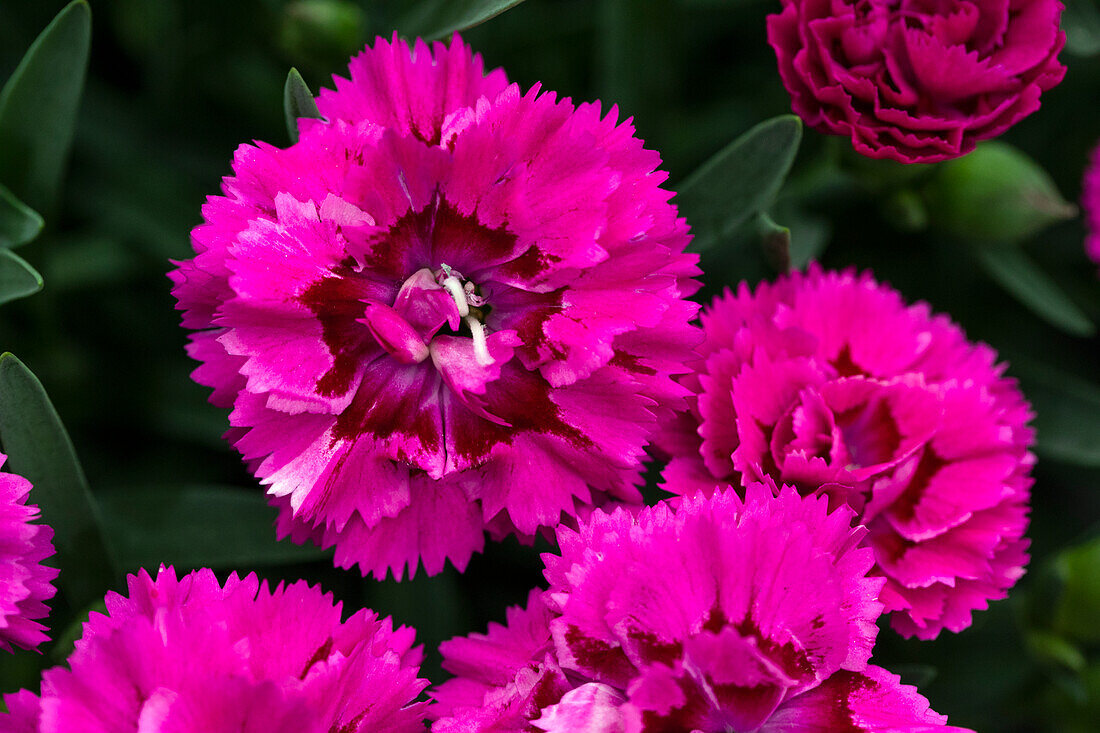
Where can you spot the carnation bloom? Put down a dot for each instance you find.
(449, 307)
(719, 616)
(829, 382)
(1090, 204)
(178, 656)
(917, 80)
(25, 584)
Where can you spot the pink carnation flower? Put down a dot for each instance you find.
(722, 615)
(1090, 205)
(450, 307)
(179, 656)
(829, 382)
(917, 80)
(25, 584)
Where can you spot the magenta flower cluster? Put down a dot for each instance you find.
(917, 81)
(830, 382)
(455, 308)
(452, 307)
(754, 615)
(181, 655)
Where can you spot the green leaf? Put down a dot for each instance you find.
(739, 181)
(197, 526)
(298, 102)
(17, 278)
(38, 107)
(1079, 607)
(19, 223)
(1067, 413)
(432, 19)
(1013, 270)
(38, 448)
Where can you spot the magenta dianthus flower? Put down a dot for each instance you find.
(1090, 205)
(754, 615)
(829, 382)
(178, 656)
(917, 80)
(25, 583)
(450, 307)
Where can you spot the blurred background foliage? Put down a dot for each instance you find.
(174, 86)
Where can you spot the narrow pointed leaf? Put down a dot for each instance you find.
(38, 107)
(739, 181)
(1013, 270)
(38, 448)
(19, 223)
(17, 278)
(298, 102)
(196, 527)
(433, 19)
(1067, 412)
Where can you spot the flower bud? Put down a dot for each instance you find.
(995, 194)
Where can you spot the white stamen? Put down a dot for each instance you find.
(454, 287)
(481, 347)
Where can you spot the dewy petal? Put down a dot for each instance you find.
(873, 701)
(25, 584)
(591, 707)
(830, 382)
(190, 654)
(447, 286)
(395, 334)
(721, 614)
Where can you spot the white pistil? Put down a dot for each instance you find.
(481, 347)
(454, 287)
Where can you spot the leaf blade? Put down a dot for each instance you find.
(19, 223)
(436, 19)
(38, 107)
(1013, 270)
(739, 181)
(17, 278)
(1067, 409)
(39, 448)
(298, 102)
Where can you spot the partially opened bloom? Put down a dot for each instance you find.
(722, 615)
(450, 307)
(829, 382)
(1090, 205)
(185, 655)
(917, 80)
(25, 583)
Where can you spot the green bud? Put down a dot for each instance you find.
(995, 194)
